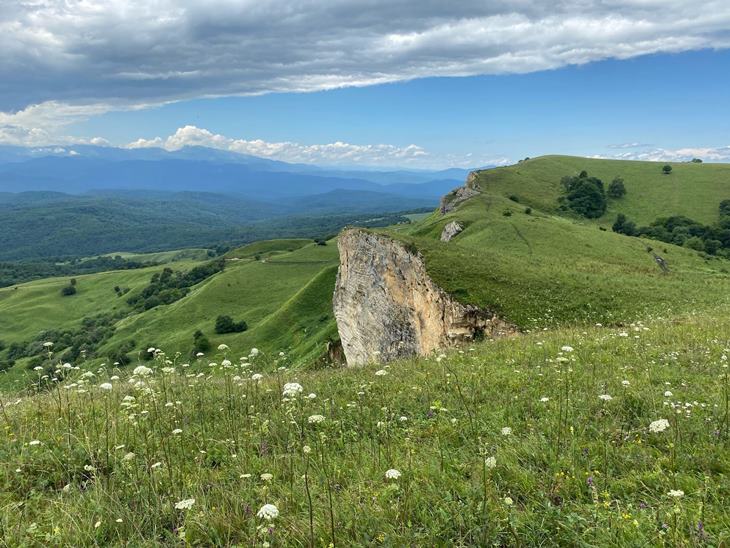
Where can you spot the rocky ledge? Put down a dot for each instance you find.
(388, 307)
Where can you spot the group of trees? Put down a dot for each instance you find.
(169, 286)
(226, 324)
(69, 344)
(680, 230)
(12, 273)
(586, 195)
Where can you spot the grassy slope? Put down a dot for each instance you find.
(579, 471)
(259, 292)
(27, 309)
(694, 190)
(542, 269)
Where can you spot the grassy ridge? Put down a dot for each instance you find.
(541, 269)
(693, 190)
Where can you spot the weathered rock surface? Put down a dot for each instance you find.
(471, 188)
(454, 228)
(387, 306)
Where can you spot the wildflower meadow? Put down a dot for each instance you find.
(595, 436)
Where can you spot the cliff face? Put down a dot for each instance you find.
(451, 200)
(388, 307)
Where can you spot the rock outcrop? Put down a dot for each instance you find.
(470, 189)
(454, 228)
(388, 307)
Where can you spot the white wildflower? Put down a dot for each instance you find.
(506, 431)
(266, 477)
(567, 348)
(34, 442)
(222, 347)
(677, 493)
(268, 512)
(659, 425)
(185, 504)
(392, 474)
(490, 462)
(315, 419)
(605, 397)
(142, 371)
(291, 389)
(106, 386)
(381, 372)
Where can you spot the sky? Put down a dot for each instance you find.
(420, 84)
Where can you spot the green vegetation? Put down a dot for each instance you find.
(617, 189)
(609, 428)
(584, 195)
(226, 324)
(169, 286)
(680, 230)
(614, 436)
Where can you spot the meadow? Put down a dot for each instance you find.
(605, 422)
(583, 437)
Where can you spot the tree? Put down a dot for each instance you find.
(623, 226)
(725, 208)
(68, 291)
(200, 342)
(225, 324)
(585, 196)
(617, 189)
(696, 160)
(667, 169)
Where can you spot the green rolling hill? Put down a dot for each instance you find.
(605, 423)
(538, 267)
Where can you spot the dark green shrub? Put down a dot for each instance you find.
(226, 324)
(617, 189)
(68, 290)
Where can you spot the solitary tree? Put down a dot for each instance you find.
(617, 189)
(667, 169)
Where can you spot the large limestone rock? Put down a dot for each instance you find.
(454, 228)
(471, 188)
(388, 307)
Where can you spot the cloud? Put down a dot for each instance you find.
(707, 154)
(43, 124)
(629, 145)
(132, 52)
(330, 154)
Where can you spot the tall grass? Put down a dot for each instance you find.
(539, 440)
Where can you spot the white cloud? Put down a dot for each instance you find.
(141, 51)
(707, 154)
(43, 124)
(330, 153)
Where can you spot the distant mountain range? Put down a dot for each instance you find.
(84, 200)
(85, 168)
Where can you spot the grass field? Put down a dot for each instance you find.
(545, 439)
(605, 423)
(694, 190)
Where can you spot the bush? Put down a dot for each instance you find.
(507, 213)
(585, 195)
(200, 342)
(226, 324)
(617, 189)
(528, 210)
(667, 169)
(623, 226)
(68, 290)
(725, 208)
(514, 198)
